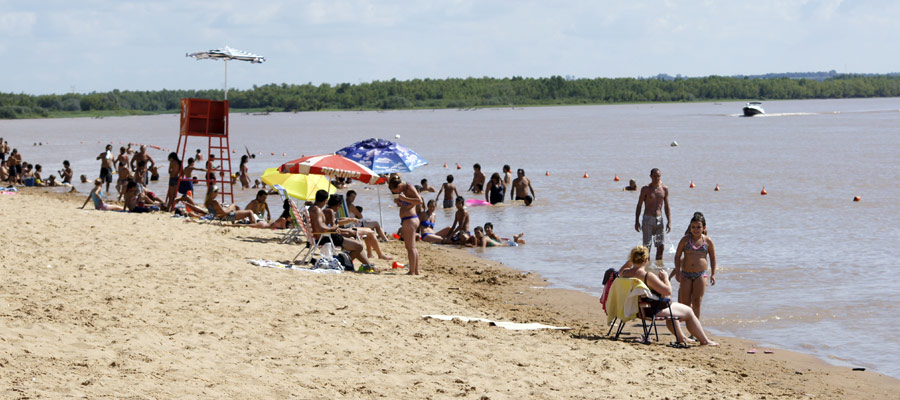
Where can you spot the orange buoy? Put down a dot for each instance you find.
(857, 198)
(616, 179)
(692, 185)
(445, 165)
(586, 175)
(717, 188)
(547, 173)
(764, 192)
(458, 166)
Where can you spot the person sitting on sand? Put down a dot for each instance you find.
(356, 211)
(259, 206)
(458, 232)
(52, 182)
(229, 214)
(489, 232)
(138, 202)
(450, 192)
(658, 283)
(481, 240)
(38, 179)
(426, 224)
(4, 171)
(333, 233)
(477, 180)
(83, 178)
(367, 235)
(97, 196)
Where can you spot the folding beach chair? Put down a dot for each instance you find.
(629, 298)
(312, 244)
(294, 233)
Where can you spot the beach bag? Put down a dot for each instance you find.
(328, 261)
(345, 261)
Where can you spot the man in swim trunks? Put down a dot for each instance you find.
(142, 156)
(477, 185)
(518, 188)
(449, 191)
(332, 232)
(654, 197)
(106, 165)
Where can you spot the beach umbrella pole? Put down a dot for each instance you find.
(380, 217)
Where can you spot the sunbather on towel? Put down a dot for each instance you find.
(660, 286)
(231, 213)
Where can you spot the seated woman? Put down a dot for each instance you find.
(356, 211)
(366, 234)
(136, 201)
(659, 285)
(426, 224)
(231, 213)
(97, 196)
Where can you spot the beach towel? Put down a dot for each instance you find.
(623, 299)
(513, 326)
(278, 265)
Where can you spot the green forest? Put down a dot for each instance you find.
(456, 93)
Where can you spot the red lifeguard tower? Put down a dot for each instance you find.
(209, 119)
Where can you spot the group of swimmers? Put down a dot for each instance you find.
(17, 172)
(495, 191)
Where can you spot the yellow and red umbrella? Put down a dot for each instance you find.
(301, 187)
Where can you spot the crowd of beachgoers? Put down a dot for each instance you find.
(337, 219)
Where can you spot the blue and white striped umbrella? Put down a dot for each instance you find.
(383, 156)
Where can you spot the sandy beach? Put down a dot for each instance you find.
(106, 304)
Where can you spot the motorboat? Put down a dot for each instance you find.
(753, 108)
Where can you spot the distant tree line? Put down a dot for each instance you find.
(461, 93)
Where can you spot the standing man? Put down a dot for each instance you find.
(106, 166)
(653, 197)
(148, 161)
(518, 188)
(477, 185)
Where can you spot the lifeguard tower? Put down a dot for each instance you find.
(208, 119)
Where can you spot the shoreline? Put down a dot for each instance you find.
(102, 303)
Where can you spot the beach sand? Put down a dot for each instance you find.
(106, 304)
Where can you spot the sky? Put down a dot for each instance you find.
(61, 46)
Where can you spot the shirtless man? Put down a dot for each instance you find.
(333, 233)
(259, 206)
(106, 165)
(123, 156)
(426, 187)
(450, 192)
(653, 197)
(141, 155)
(519, 185)
(66, 173)
(477, 185)
(507, 175)
(458, 232)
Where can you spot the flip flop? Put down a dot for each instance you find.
(769, 351)
(751, 351)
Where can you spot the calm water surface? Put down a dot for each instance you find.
(803, 268)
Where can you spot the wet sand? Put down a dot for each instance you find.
(104, 304)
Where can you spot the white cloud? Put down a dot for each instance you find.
(17, 23)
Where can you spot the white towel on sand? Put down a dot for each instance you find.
(513, 326)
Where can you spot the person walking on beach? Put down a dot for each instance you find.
(654, 198)
(691, 264)
(407, 199)
(519, 185)
(106, 165)
(477, 180)
(450, 192)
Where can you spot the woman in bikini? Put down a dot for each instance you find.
(407, 199)
(691, 264)
(658, 283)
(426, 224)
(97, 196)
(245, 172)
(174, 175)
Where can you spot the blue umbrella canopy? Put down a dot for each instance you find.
(383, 156)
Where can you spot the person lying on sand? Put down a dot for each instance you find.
(480, 240)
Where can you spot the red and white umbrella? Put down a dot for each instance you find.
(331, 165)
